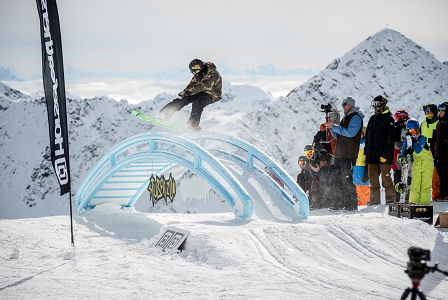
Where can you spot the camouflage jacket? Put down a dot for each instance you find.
(208, 81)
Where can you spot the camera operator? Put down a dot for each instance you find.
(328, 174)
(323, 138)
(348, 137)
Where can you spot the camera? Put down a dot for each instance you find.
(326, 107)
(418, 254)
(416, 267)
(314, 162)
(416, 270)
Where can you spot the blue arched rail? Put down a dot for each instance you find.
(251, 153)
(123, 173)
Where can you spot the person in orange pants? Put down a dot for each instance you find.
(360, 177)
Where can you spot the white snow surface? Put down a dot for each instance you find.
(327, 256)
(270, 256)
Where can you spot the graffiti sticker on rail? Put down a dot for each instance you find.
(161, 188)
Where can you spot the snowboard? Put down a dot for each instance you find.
(161, 122)
(403, 187)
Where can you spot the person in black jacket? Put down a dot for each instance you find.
(439, 149)
(379, 150)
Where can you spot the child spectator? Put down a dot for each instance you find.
(422, 167)
(360, 174)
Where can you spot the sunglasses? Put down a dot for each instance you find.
(413, 130)
(344, 104)
(309, 152)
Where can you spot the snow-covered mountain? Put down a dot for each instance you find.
(386, 63)
(95, 126)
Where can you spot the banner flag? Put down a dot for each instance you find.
(54, 88)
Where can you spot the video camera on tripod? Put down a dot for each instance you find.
(416, 270)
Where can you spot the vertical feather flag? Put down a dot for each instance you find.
(54, 87)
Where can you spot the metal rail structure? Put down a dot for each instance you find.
(123, 174)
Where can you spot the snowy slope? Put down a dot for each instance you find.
(329, 256)
(386, 63)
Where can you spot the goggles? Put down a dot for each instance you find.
(344, 104)
(195, 69)
(428, 110)
(441, 107)
(309, 152)
(413, 130)
(377, 103)
(302, 162)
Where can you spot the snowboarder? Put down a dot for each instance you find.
(204, 88)
(379, 151)
(422, 166)
(439, 149)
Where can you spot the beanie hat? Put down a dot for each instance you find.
(349, 100)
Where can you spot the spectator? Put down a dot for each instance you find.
(348, 137)
(379, 151)
(316, 190)
(329, 175)
(422, 167)
(401, 116)
(427, 128)
(360, 177)
(304, 178)
(439, 149)
(323, 138)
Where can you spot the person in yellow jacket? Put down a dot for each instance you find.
(427, 128)
(422, 166)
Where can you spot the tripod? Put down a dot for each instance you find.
(414, 291)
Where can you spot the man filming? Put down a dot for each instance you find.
(348, 136)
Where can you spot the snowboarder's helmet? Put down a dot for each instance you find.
(412, 124)
(401, 115)
(430, 110)
(302, 160)
(379, 104)
(442, 106)
(196, 65)
(308, 149)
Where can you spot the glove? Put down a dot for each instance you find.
(365, 177)
(408, 151)
(382, 160)
(184, 93)
(401, 160)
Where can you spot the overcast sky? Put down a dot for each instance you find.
(145, 35)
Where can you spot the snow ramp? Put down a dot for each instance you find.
(245, 177)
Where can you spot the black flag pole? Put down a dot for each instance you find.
(54, 88)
